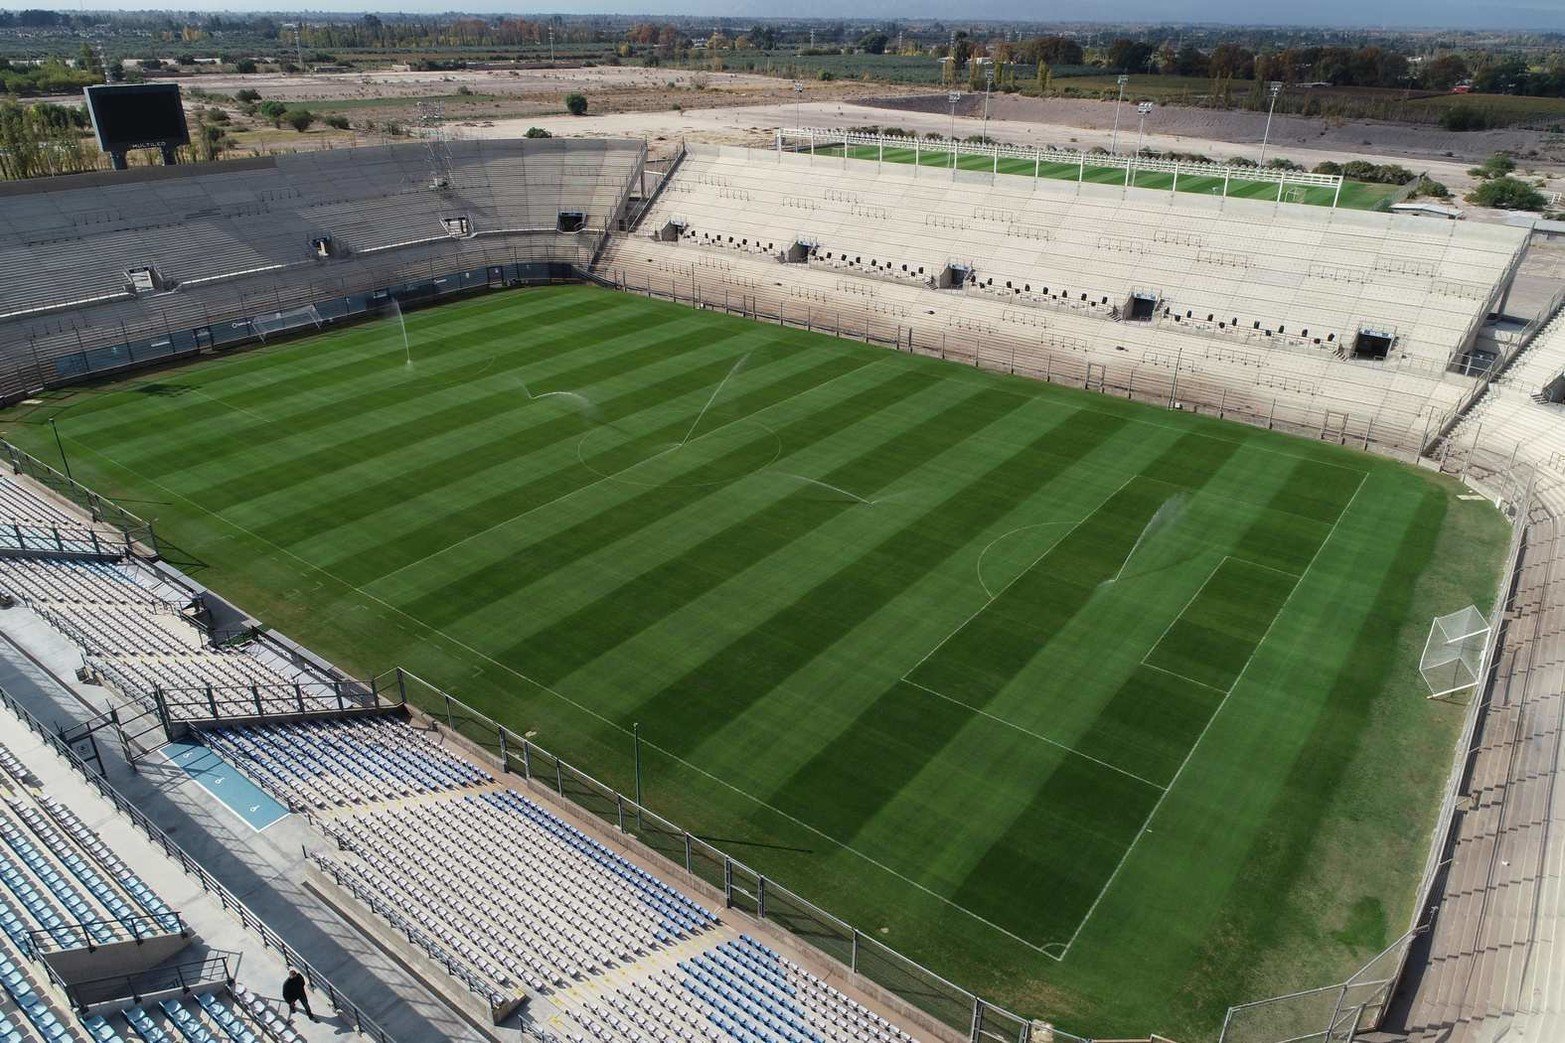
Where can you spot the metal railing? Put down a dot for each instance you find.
(1131, 163)
(356, 1017)
(226, 703)
(138, 531)
(215, 968)
(90, 934)
(855, 952)
(1395, 429)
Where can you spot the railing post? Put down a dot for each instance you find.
(728, 881)
(505, 761)
(978, 1019)
(448, 712)
(527, 761)
(688, 868)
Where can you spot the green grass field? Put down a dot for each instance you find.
(1108, 713)
(1356, 195)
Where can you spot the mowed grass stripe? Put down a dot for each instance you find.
(1219, 630)
(513, 429)
(437, 417)
(725, 685)
(981, 657)
(448, 520)
(287, 422)
(296, 376)
(480, 578)
(577, 639)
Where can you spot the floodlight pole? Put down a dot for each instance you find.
(988, 87)
(635, 731)
(798, 92)
(1143, 110)
(953, 97)
(61, 446)
(1275, 89)
(1114, 141)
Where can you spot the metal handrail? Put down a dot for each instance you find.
(361, 1021)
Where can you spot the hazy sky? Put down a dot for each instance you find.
(1500, 14)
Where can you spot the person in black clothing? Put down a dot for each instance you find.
(294, 993)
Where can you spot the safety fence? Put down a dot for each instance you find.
(1397, 427)
(743, 888)
(140, 539)
(354, 1016)
(1132, 164)
(276, 315)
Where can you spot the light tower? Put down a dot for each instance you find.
(798, 92)
(1143, 110)
(1122, 79)
(953, 97)
(1274, 89)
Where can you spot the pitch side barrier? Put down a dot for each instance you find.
(801, 139)
(305, 318)
(922, 995)
(139, 539)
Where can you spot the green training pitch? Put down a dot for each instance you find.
(1355, 195)
(1109, 713)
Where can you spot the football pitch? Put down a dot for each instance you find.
(1108, 713)
(1355, 195)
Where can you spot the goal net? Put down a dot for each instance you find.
(273, 323)
(1453, 654)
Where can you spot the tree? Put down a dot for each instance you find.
(537, 132)
(1444, 72)
(246, 96)
(873, 43)
(1189, 61)
(300, 119)
(1129, 54)
(272, 110)
(1497, 165)
(1507, 193)
(576, 104)
(244, 66)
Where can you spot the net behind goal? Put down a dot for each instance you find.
(273, 323)
(1453, 654)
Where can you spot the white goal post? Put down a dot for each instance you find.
(1453, 654)
(276, 322)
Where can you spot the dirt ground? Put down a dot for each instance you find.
(1247, 128)
(753, 125)
(668, 105)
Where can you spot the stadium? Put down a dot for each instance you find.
(545, 590)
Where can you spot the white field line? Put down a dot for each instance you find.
(1182, 677)
(979, 567)
(1146, 825)
(981, 608)
(1025, 731)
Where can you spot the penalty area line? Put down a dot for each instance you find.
(1146, 826)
